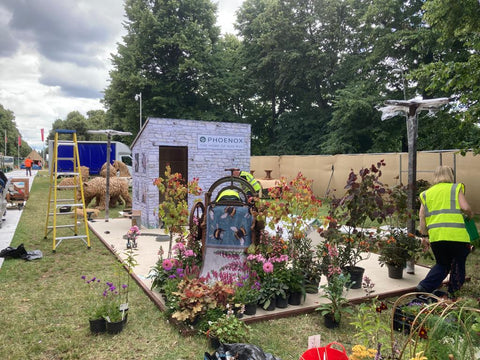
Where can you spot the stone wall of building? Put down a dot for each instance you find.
(212, 148)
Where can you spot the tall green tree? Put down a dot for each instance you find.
(168, 55)
(455, 68)
(9, 135)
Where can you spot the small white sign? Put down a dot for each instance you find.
(221, 142)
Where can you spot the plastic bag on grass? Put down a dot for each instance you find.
(239, 352)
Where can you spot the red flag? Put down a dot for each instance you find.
(41, 132)
(19, 140)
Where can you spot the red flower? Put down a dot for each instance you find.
(423, 333)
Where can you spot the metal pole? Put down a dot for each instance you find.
(138, 97)
(412, 164)
(140, 111)
(107, 195)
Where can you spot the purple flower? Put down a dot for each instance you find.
(256, 286)
(124, 286)
(83, 277)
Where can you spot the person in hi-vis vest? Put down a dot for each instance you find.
(442, 211)
(250, 179)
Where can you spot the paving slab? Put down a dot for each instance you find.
(112, 234)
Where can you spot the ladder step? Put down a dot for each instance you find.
(68, 186)
(65, 158)
(62, 213)
(65, 142)
(72, 205)
(68, 173)
(72, 237)
(62, 200)
(60, 226)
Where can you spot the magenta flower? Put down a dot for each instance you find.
(167, 264)
(268, 267)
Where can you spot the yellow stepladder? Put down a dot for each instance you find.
(66, 202)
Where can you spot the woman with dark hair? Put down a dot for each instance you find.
(442, 211)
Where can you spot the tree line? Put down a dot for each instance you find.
(9, 136)
(308, 75)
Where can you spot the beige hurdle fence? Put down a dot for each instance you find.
(330, 172)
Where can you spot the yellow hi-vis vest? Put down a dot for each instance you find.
(443, 215)
(251, 180)
(228, 194)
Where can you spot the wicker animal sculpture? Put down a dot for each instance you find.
(69, 181)
(121, 168)
(97, 188)
(103, 171)
(94, 212)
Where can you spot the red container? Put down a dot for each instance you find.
(325, 353)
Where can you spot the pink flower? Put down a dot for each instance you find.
(333, 270)
(167, 264)
(189, 253)
(178, 246)
(268, 267)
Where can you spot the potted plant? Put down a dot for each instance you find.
(247, 293)
(271, 285)
(114, 313)
(296, 286)
(195, 296)
(395, 250)
(97, 305)
(105, 303)
(173, 210)
(132, 236)
(307, 261)
(228, 329)
(333, 291)
(271, 288)
(363, 201)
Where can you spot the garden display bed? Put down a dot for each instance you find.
(111, 234)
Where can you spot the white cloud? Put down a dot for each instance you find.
(55, 57)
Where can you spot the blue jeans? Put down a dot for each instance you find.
(450, 258)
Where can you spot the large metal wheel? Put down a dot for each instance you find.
(197, 215)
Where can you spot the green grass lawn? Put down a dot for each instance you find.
(43, 305)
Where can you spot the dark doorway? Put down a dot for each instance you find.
(177, 158)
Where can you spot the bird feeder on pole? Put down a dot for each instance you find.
(410, 109)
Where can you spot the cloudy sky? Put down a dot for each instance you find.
(55, 57)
